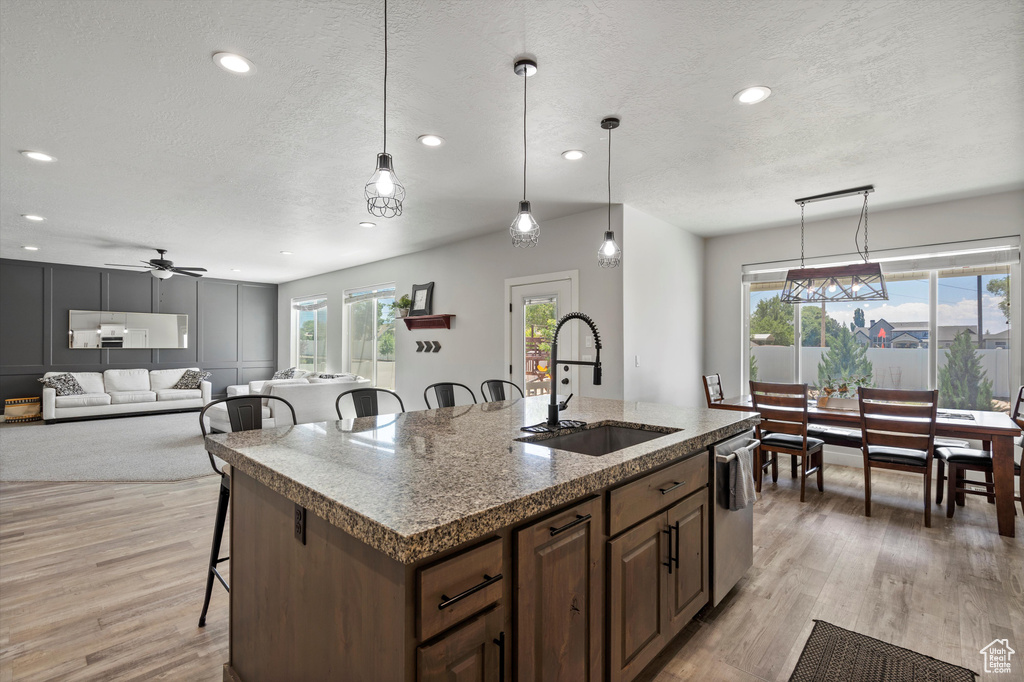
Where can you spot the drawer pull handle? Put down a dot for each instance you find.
(665, 491)
(446, 601)
(577, 521)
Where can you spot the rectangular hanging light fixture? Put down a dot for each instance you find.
(856, 282)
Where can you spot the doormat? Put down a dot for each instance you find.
(833, 654)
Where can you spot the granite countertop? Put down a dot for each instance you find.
(415, 484)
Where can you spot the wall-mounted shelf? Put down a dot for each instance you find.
(429, 322)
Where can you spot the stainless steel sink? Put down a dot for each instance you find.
(599, 440)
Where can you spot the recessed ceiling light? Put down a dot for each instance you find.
(758, 93)
(31, 248)
(431, 140)
(366, 223)
(37, 156)
(34, 218)
(287, 253)
(234, 63)
(235, 270)
(573, 154)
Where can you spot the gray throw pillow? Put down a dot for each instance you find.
(64, 384)
(284, 374)
(191, 379)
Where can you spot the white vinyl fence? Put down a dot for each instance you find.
(893, 367)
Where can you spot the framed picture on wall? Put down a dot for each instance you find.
(422, 295)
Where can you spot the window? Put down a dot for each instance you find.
(309, 334)
(925, 336)
(370, 340)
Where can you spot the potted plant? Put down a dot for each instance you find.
(841, 394)
(402, 305)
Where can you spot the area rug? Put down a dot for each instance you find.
(159, 447)
(833, 654)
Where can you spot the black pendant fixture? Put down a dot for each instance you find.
(384, 193)
(609, 255)
(524, 229)
(856, 282)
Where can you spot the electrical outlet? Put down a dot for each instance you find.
(637, 360)
(588, 341)
(588, 358)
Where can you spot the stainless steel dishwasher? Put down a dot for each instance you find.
(732, 532)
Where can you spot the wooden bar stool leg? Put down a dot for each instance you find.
(991, 488)
(961, 481)
(939, 481)
(821, 470)
(792, 466)
(758, 468)
(803, 477)
(867, 489)
(928, 498)
(775, 467)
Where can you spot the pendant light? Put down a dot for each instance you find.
(384, 193)
(524, 229)
(856, 282)
(609, 255)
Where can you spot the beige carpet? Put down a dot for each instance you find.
(159, 447)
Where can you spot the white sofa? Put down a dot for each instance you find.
(120, 392)
(313, 399)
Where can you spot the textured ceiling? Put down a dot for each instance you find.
(158, 147)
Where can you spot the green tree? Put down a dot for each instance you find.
(753, 368)
(1001, 287)
(540, 322)
(774, 317)
(386, 328)
(845, 359)
(858, 318)
(810, 326)
(963, 384)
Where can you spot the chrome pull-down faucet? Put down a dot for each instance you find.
(555, 407)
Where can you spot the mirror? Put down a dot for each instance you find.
(104, 329)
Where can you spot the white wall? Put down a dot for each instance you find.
(469, 280)
(996, 215)
(662, 289)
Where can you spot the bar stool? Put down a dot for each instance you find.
(365, 401)
(713, 389)
(495, 389)
(245, 413)
(445, 393)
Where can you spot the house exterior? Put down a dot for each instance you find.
(884, 334)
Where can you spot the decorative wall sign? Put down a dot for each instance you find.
(428, 346)
(422, 299)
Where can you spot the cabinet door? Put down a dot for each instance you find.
(474, 652)
(638, 580)
(688, 583)
(559, 590)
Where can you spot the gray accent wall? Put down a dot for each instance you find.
(232, 326)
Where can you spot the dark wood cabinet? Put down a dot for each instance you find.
(559, 596)
(658, 580)
(473, 652)
(688, 584)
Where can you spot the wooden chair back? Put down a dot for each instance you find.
(365, 401)
(444, 392)
(898, 418)
(713, 389)
(783, 408)
(493, 390)
(1015, 415)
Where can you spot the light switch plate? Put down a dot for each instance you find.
(588, 341)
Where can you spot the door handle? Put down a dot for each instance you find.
(668, 563)
(500, 641)
(676, 560)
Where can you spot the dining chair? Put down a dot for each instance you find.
(963, 459)
(713, 389)
(444, 392)
(494, 390)
(898, 428)
(783, 430)
(245, 413)
(366, 401)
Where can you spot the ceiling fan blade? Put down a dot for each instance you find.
(184, 272)
(123, 265)
(197, 269)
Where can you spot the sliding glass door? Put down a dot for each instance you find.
(370, 339)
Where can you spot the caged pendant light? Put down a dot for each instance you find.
(856, 282)
(609, 255)
(524, 229)
(384, 193)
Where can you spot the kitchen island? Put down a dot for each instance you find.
(449, 544)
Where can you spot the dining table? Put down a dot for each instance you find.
(994, 427)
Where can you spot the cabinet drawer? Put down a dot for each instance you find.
(475, 651)
(457, 587)
(636, 501)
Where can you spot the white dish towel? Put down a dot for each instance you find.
(741, 483)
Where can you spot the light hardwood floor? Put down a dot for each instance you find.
(104, 581)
